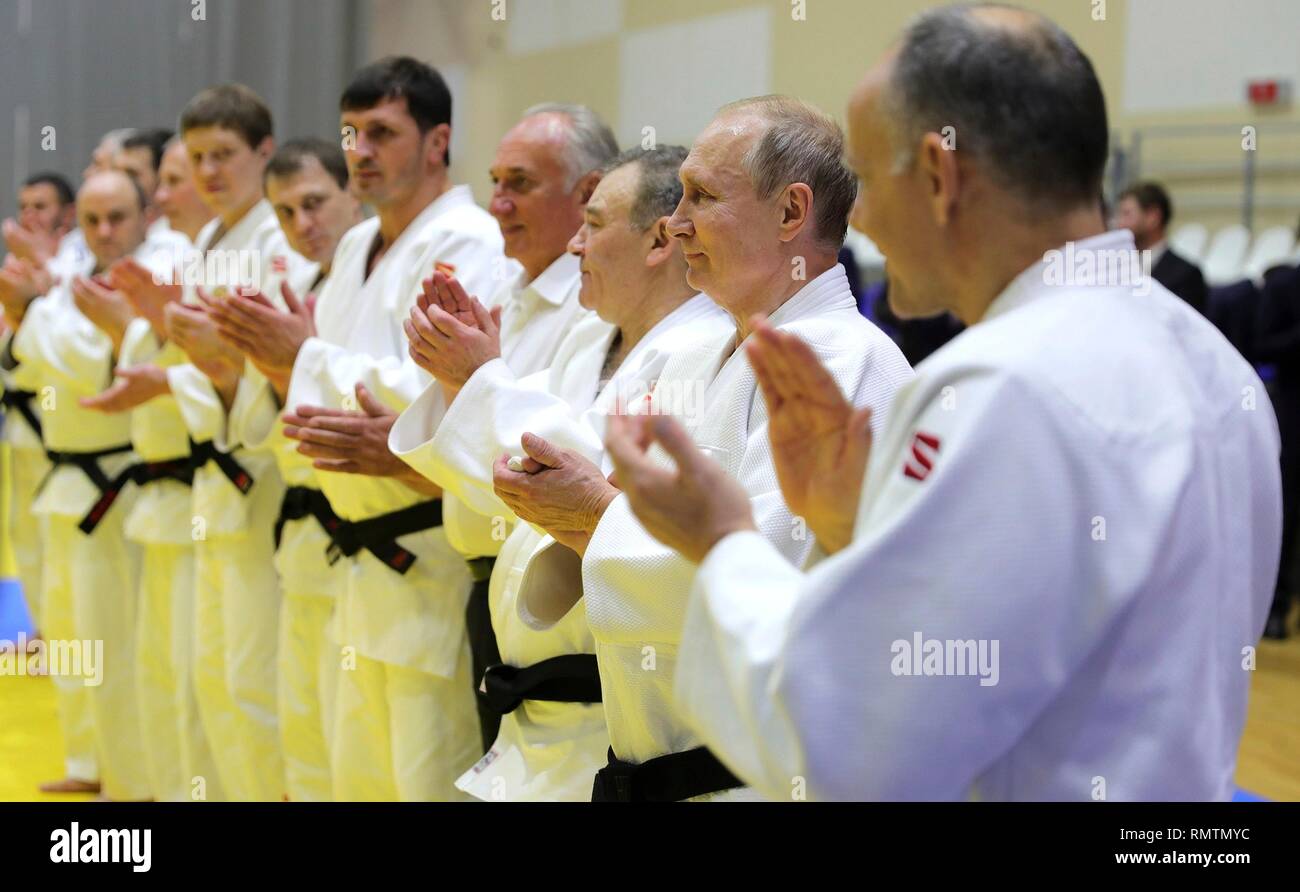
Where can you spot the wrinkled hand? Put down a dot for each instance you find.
(134, 386)
(820, 442)
(350, 442)
(451, 334)
(268, 336)
(108, 309)
(689, 509)
(37, 248)
(559, 490)
(149, 298)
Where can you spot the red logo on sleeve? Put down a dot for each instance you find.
(447, 269)
(925, 449)
(279, 264)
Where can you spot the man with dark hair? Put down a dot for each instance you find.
(1075, 469)
(404, 710)
(141, 155)
(236, 492)
(1145, 210)
(306, 183)
(46, 213)
(427, 99)
(634, 279)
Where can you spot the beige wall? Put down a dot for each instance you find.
(818, 58)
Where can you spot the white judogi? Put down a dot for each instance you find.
(1094, 484)
(28, 467)
(237, 594)
(90, 579)
(545, 750)
(307, 661)
(405, 719)
(635, 588)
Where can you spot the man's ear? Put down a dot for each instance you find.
(796, 208)
(662, 245)
(266, 148)
(439, 138)
(937, 164)
(587, 185)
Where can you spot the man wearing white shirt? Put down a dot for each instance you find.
(547, 689)
(90, 568)
(404, 713)
(1048, 580)
(227, 130)
(47, 206)
(763, 213)
(307, 185)
(544, 172)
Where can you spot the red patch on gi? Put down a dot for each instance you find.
(925, 449)
(279, 264)
(447, 269)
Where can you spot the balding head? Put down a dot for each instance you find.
(110, 211)
(980, 141)
(545, 169)
(1022, 99)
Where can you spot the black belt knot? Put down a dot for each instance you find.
(21, 402)
(572, 678)
(377, 535)
(202, 453)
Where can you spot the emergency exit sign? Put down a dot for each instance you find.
(1269, 92)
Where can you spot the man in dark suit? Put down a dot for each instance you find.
(1145, 209)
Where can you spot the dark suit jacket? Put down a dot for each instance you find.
(1182, 278)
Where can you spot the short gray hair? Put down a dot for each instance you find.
(1023, 102)
(658, 187)
(589, 143)
(802, 144)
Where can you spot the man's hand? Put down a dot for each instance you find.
(268, 336)
(690, 509)
(149, 298)
(559, 490)
(820, 442)
(21, 282)
(37, 248)
(196, 334)
(108, 309)
(135, 386)
(451, 334)
(353, 442)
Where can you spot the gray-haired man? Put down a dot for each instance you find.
(765, 205)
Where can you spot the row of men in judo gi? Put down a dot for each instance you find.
(433, 505)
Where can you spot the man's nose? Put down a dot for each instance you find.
(679, 225)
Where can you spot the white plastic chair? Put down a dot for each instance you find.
(1226, 256)
(1189, 240)
(1272, 247)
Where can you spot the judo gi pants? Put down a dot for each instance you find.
(308, 658)
(237, 611)
(103, 573)
(402, 734)
(29, 467)
(179, 760)
(60, 625)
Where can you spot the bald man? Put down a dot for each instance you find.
(1048, 579)
(91, 568)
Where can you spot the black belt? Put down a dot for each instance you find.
(669, 778)
(88, 462)
(21, 402)
(181, 470)
(572, 678)
(202, 453)
(377, 535)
